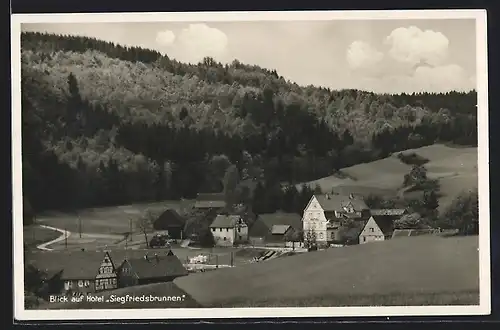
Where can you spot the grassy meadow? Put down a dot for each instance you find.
(35, 235)
(414, 271)
(455, 168)
(113, 220)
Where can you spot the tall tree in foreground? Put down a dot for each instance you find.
(145, 224)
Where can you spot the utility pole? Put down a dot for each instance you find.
(216, 261)
(80, 225)
(130, 224)
(232, 259)
(66, 238)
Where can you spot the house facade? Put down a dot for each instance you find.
(228, 230)
(371, 232)
(324, 216)
(78, 280)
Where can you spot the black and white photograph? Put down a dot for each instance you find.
(250, 164)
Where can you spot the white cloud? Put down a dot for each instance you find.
(165, 38)
(415, 62)
(197, 41)
(439, 79)
(361, 56)
(442, 78)
(414, 46)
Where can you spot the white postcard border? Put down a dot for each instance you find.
(177, 313)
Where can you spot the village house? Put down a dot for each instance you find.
(150, 269)
(207, 202)
(228, 230)
(276, 229)
(83, 272)
(325, 214)
(171, 222)
(366, 231)
(375, 230)
(78, 272)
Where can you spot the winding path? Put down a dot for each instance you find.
(65, 234)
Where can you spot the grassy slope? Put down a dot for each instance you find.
(419, 270)
(157, 290)
(106, 220)
(34, 235)
(456, 169)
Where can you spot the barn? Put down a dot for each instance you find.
(172, 222)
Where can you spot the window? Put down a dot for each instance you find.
(364, 239)
(86, 283)
(227, 229)
(333, 235)
(213, 229)
(321, 235)
(239, 230)
(224, 237)
(68, 285)
(220, 229)
(240, 238)
(80, 284)
(371, 230)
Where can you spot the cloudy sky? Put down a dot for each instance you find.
(391, 56)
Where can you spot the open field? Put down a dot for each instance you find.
(412, 271)
(455, 168)
(177, 298)
(106, 220)
(34, 235)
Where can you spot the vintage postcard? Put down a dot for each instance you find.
(250, 164)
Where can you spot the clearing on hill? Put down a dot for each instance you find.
(455, 168)
(413, 271)
(114, 220)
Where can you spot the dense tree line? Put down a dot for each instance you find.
(105, 124)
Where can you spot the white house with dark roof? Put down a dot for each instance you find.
(324, 215)
(228, 230)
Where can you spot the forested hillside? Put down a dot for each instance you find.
(105, 124)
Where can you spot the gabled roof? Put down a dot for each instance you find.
(334, 202)
(169, 218)
(226, 221)
(78, 265)
(212, 200)
(75, 265)
(387, 212)
(156, 266)
(262, 227)
(385, 225)
(279, 229)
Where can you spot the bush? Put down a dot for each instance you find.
(412, 159)
(462, 214)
